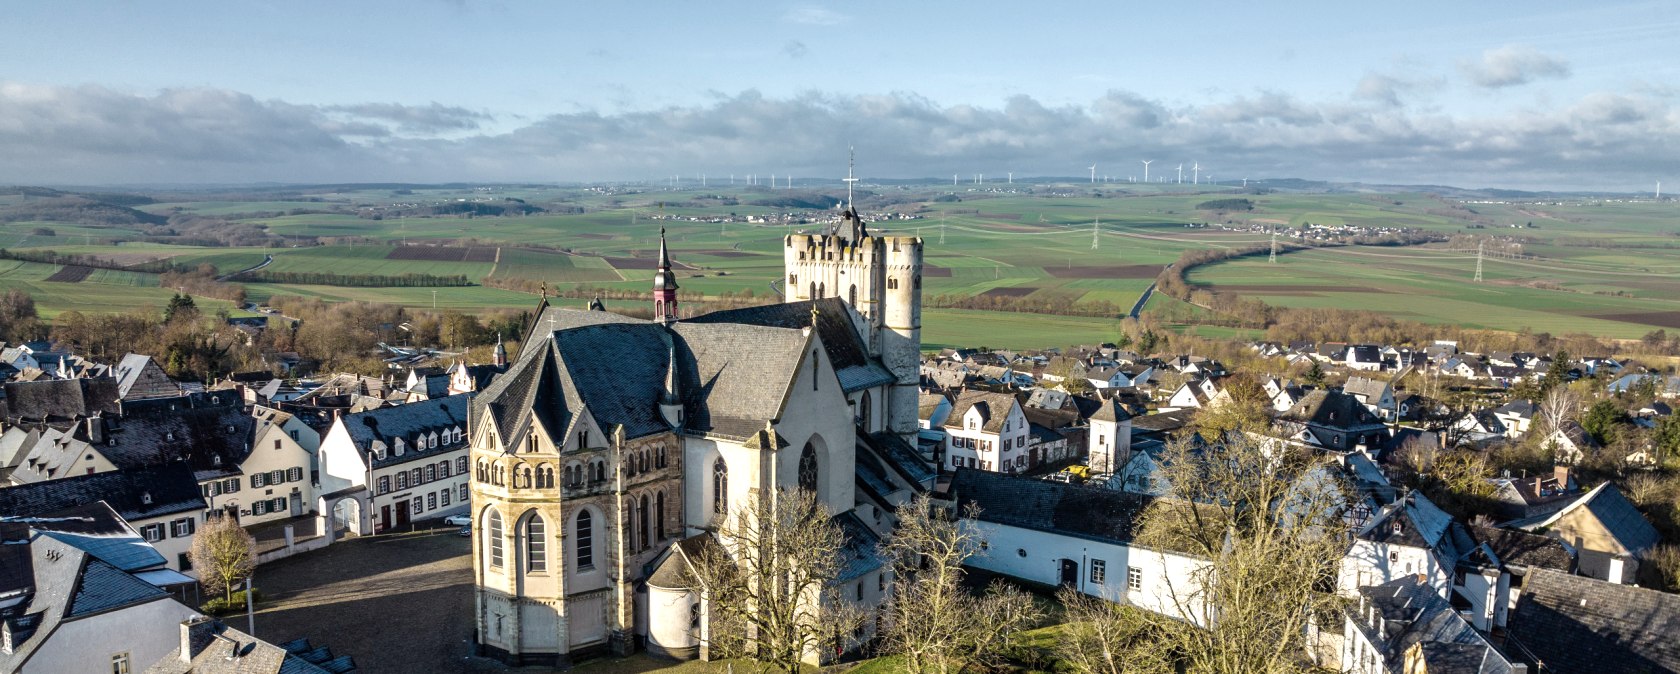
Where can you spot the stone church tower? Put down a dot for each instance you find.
(880, 277)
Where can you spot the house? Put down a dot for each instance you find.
(58, 401)
(987, 431)
(1479, 427)
(1142, 472)
(1405, 539)
(163, 503)
(1050, 533)
(1119, 376)
(1570, 443)
(63, 609)
(1109, 437)
(464, 378)
(1332, 420)
(411, 458)
(1488, 576)
(1404, 626)
(1532, 496)
(139, 378)
(1282, 394)
(209, 646)
(1609, 535)
(1665, 386)
(1568, 623)
(932, 409)
(1517, 416)
(1364, 357)
(1376, 395)
(279, 472)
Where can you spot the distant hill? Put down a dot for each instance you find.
(81, 210)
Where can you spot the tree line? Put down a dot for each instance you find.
(408, 280)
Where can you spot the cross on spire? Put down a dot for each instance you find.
(814, 313)
(851, 159)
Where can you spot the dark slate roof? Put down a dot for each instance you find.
(103, 587)
(1522, 408)
(1415, 522)
(1413, 614)
(1579, 624)
(1162, 422)
(862, 551)
(209, 430)
(1111, 410)
(59, 399)
(1332, 409)
(407, 422)
(171, 488)
(1042, 505)
(97, 530)
(1522, 550)
(552, 319)
(848, 350)
(736, 375)
(898, 455)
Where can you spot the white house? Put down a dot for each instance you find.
(1059, 534)
(1375, 394)
(1517, 417)
(1110, 441)
(987, 431)
(163, 503)
(1403, 626)
(1404, 539)
(66, 610)
(411, 458)
(275, 480)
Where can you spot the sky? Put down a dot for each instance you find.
(1540, 95)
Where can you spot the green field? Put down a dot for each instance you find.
(102, 291)
(1608, 268)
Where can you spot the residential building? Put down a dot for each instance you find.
(162, 503)
(1570, 443)
(1568, 623)
(139, 378)
(209, 646)
(412, 460)
(1377, 395)
(1609, 535)
(1109, 437)
(1404, 626)
(1332, 420)
(988, 431)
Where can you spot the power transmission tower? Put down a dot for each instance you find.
(1273, 258)
(1094, 231)
(1479, 261)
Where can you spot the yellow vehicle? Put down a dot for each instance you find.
(1081, 472)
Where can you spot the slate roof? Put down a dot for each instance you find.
(1578, 624)
(1606, 504)
(735, 375)
(1371, 389)
(994, 409)
(59, 399)
(1420, 525)
(59, 583)
(215, 648)
(1111, 411)
(861, 552)
(1332, 409)
(407, 422)
(1520, 550)
(898, 456)
(1525, 409)
(847, 349)
(1041, 505)
(1162, 422)
(208, 430)
(171, 488)
(1414, 614)
(96, 529)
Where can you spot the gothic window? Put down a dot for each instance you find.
(813, 293)
(642, 523)
(482, 477)
(814, 365)
(808, 468)
(892, 284)
(495, 530)
(583, 439)
(630, 525)
(851, 296)
(863, 411)
(822, 290)
(536, 545)
(659, 514)
(584, 533)
(659, 459)
(720, 487)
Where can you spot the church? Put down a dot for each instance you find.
(612, 443)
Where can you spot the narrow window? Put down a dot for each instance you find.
(814, 369)
(585, 535)
(495, 540)
(642, 523)
(659, 514)
(720, 487)
(808, 468)
(536, 545)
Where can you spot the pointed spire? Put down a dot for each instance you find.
(664, 256)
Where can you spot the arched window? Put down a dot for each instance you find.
(863, 411)
(536, 545)
(482, 477)
(642, 523)
(495, 534)
(814, 368)
(808, 468)
(659, 458)
(851, 296)
(813, 293)
(584, 534)
(659, 514)
(822, 290)
(892, 284)
(720, 487)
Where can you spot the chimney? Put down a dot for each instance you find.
(95, 430)
(187, 627)
(1561, 472)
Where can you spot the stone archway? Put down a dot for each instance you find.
(348, 510)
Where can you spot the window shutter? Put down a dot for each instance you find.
(192, 526)
(256, 480)
(294, 474)
(259, 508)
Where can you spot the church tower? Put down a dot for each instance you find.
(881, 278)
(664, 286)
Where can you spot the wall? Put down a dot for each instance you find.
(147, 632)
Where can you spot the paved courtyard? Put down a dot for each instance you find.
(397, 604)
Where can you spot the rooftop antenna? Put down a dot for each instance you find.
(1093, 174)
(1146, 163)
(1195, 173)
(851, 160)
(1479, 260)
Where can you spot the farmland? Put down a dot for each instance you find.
(1583, 265)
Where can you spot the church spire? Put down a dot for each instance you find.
(664, 285)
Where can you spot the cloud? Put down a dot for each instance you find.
(812, 15)
(430, 119)
(1513, 65)
(795, 49)
(89, 135)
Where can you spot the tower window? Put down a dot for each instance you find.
(495, 534)
(892, 284)
(585, 536)
(808, 469)
(720, 487)
(536, 545)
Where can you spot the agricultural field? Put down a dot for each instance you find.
(1582, 265)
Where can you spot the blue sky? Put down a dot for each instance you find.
(1549, 95)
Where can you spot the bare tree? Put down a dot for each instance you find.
(935, 621)
(1418, 454)
(769, 583)
(1267, 518)
(224, 553)
(1559, 405)
(1108, 637)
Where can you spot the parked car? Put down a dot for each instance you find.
(465, 532)
(457, 520)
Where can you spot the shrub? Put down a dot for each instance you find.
(233, 605)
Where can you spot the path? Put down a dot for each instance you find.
(267, 260)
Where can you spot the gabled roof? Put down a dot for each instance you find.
(407, 422)
(59, 399)
(208, 430)
(735, 376)
(97, 530)
(848, 350)
(1606, 504)
(1414, 615)
(993, 407)
(1332, 409)
(1111, 411)
(1578, 624)
(58, 583)
(1519, 550)
(1041, 505)
(169, 488)
(1370, 389)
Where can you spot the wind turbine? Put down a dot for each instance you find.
(1181, 174)
(1195, 173)
(1093, 174)
(1146, 169)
